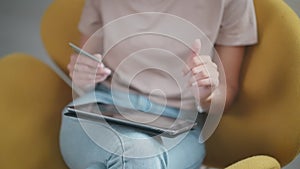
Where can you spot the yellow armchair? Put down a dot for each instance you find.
(265, 119)
(262, 127)
(32, 97)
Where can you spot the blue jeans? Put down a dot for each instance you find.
(89, 144)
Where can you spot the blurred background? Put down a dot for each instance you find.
(20, 32)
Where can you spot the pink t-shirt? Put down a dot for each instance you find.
(146, 42)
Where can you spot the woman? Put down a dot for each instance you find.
(139, 72)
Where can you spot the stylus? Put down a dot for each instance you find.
(84, 53)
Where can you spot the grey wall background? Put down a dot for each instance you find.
(20, 32)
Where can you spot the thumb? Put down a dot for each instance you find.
(196, 46)
(99, 56)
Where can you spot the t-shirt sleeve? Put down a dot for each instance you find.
(238, 25)
(90, 20)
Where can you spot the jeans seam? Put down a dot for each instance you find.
(121, 142)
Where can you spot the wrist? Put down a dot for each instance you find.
(203, 106)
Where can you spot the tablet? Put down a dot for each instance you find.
(132, 118)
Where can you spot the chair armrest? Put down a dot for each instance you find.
(256, 162)
(32, 97)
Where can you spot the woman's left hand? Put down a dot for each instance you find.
(204, 75)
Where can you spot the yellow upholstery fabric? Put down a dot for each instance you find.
(32, 97)
(59, 27)
(266, 117)
(257, 162)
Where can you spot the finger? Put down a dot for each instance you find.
(199, 69)
(196, 46)
(213, 76)
(196, 68)
(187, 69)
(80, 76)
(75, 63)
(84, 84)
(103, 70)
(195, 59)
(208, 82)
(72, 61)
(88, 61)
(203, 72)
(70, 67)
(85, 69)
(203, 60)
(86, 76)
(203, 83)
(201, 75)
(200, 60)
(84, 80)
(83, 60)
(99, 56)
(91, 70)
(80, 68)
(196, 78)
(100, 78)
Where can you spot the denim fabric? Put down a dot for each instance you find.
(89, 144)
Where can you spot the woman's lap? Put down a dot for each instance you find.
(96, 145)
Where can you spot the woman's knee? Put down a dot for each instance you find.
(139, 149)
(97, 166)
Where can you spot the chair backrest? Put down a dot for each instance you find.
(59, 27)
(266, 116)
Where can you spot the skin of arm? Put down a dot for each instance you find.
(231, 58)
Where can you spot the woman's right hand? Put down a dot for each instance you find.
(86, 72)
